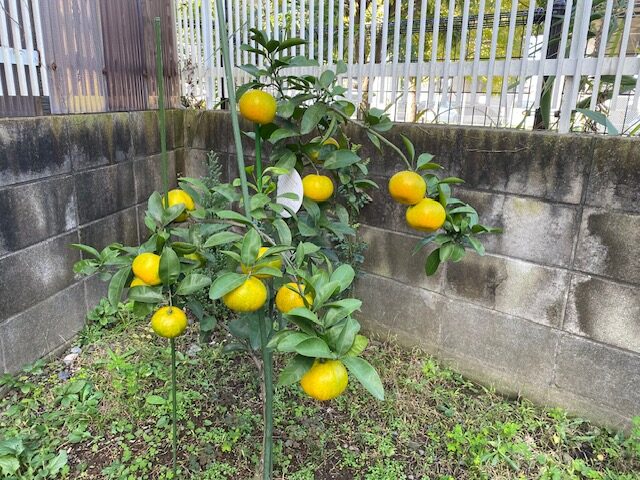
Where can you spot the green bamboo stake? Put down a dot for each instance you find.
(162, 121)
(267, 359)
(164, 171)
(235, 124)
(174, 407)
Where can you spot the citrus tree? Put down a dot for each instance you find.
(287, 278)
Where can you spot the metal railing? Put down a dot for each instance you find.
(555, 64)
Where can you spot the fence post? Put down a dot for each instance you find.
(544, 110)
(207, 33)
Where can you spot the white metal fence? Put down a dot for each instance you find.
(21, 49)
(471, 62)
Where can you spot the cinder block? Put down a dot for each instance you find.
(412, 315)
(98, 139)
(145, 133)
(602, 373)
(389, 255)
(616, 174)
(510, 286)
(609, 244)
(33, 212)
(35, 273)
(194, 163)
(533, 230)
(546, 165)
(175, 121)
(120, 227)
(208, 130)
(604, 311)
(104, 191)
(522, 349)
(42, 328)
(148, 175)
(32, 148)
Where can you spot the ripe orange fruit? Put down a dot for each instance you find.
(427, 215)
(136, 282)
(146, 267)
(318, 188)
(248, 297)
(325, 379)
(287, 299)
(169, 322)
(180, 196)
(407, 187)
(277, 264)
(315, 153)
(258, 106)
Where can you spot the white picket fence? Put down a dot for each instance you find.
(21, 49)
(456, 61)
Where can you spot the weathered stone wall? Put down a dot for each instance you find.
(63, 180)
(552, 312)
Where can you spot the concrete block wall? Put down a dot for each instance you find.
(68, 179)
(552, 312)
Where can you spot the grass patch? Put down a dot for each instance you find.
(106, 417)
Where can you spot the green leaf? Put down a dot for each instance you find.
(302, 312)
(290, 42)
(225, 283)
(458, 253)
(450, 180)
(344, 276)
(169, 266)
(326, 78)
(425, 163)
(192, 283)
(250, 247)
(314, 347)
(340, 309)
(375, 140)
(409, 146)
(154, 207)
(208, 323)
(432, 263)
(57, 463)
(117, 284)
(10, 464)
(87, 249)
(340, 158)
(284, 233)
(221, 238)
(155, 400)
(445, 251)
(600, 118)
(146, 294)
(311, 117)
(477, 245)
(282, 133)
(366, 375)
(234, 216)
(343, 335)
(295, 370)
(289, 343)
(359, 345)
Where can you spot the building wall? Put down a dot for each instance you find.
(63, 180)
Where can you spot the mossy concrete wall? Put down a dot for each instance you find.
(63, 180)
(552, 312)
